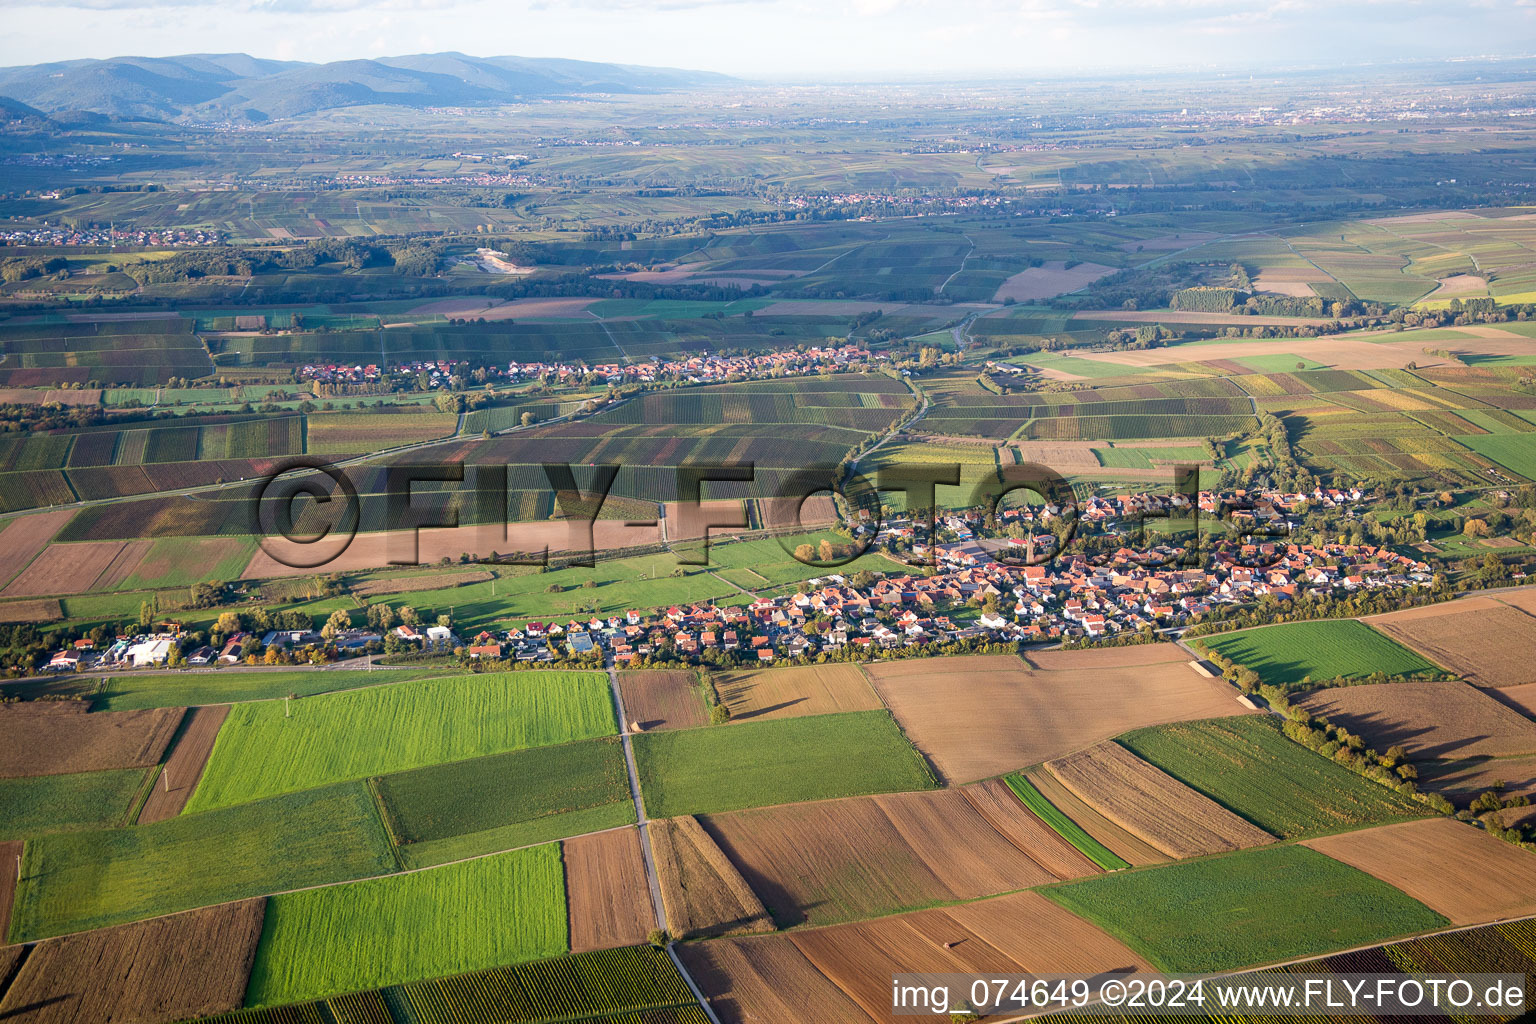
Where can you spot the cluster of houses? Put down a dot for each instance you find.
(174, 237)
(140, 650)
(702, 369)
(976, 595)
(978, 590)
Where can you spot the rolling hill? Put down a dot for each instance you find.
(221, 87)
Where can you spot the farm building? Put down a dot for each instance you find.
(153, 651)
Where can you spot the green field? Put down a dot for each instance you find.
(1279, 363)
(126, 691)
(726, 768)
(1254, 907)
(489, 912)
(1064, 826)
(276, 747)
(1247, 765)
(79, 880)
(630, 985)
(56, 803)
(1295, 652)
(450, 811)
(1515, 452)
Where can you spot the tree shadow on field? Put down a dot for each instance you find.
(31, 1007)
(770, 709)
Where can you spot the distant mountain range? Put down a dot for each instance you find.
(237, 87)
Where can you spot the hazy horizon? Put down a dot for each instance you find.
(793, 41)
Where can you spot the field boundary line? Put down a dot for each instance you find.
(1319, 957)
(658, 907)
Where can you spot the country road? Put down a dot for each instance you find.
(657, 905)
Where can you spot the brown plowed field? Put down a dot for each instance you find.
(1136, 852)
(23, 538)
(34, 742)
(840, 860)
(9, 851)
(38, 609)
(607, 897)
(1451, 867)
(10, 960)
(1013, 821)
(1481, 640)
(1521, 698)
(1464, 780)
(979, 717)
(168, 969)
(766, 981)
(792, 692)
(704, 894)
(1430, 720)
(185, 766)
(662, 699)
(65, 569)
(374, 550)
(1019, 934)
(1152, 805)
(127, 562)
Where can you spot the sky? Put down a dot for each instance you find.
(790, 40)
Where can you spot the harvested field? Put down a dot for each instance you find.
(1177, 316)
(1525, 600)
(1050, 280)
(1279, 285)
(37, 740)
(1482, 640)
(790, 692)
(1135, 852)
(1459, 284)
(1430, 720)
(608, 901)
(979, 717)
(840, 860)
(143, 972)
(1339, 353)
(1152, 805)
(662, 699)
(704, 894)
(1106, 657)
(37, 609)
(10, 854)
(757, 980)
(65, 569)
(424, 581)
(1064, 457)
(184, 767)
(1456, 870)
(1019, 934)
(1003, 810)
(1462, 781)
(22, 538)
